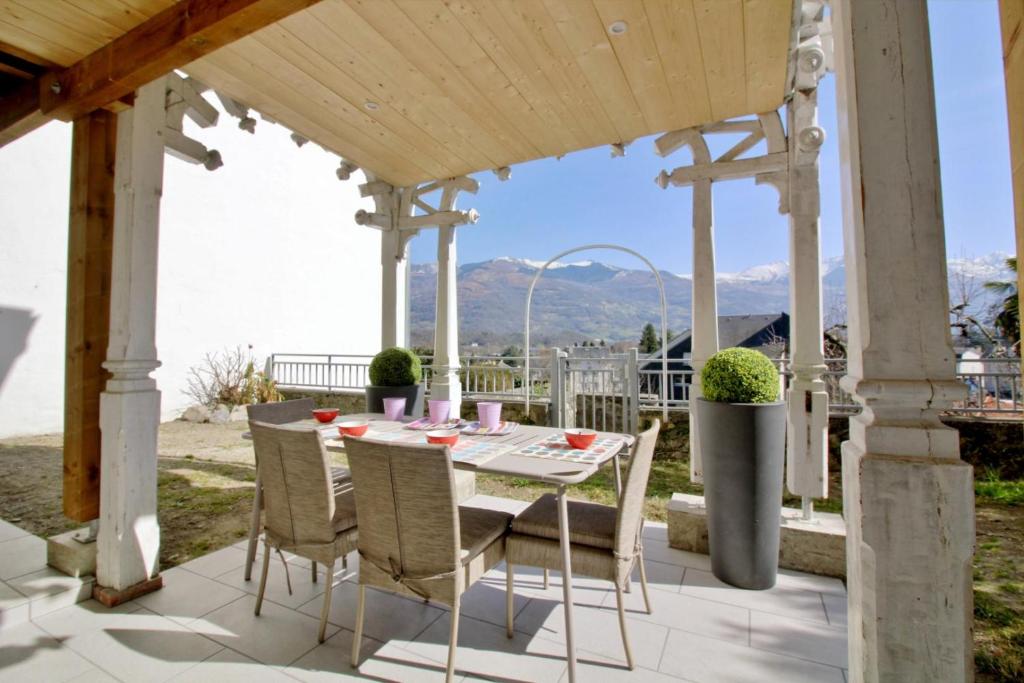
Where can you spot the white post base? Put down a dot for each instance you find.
(445, 385)
(807, 439)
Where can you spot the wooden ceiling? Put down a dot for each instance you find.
(415, 90)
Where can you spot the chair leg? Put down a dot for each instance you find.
(358, 637)
(622, 627)
(263, 577)
(314, 572)
(327, 600)
(643, 580)
(453, 639)
(510, 599)
(547, 579)
(254, 529)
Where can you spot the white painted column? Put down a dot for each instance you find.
(129, 536)
(704, 316)
(806, 398)
(394, 259)
(445, 382)
(908, 498)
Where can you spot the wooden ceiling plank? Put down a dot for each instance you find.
(485, 24)
(176, 36)
(293, 107)
(125, 17)
(404, 137)
(385, 70)
(81, 28)
(395, 27)
(13, 32)
(283, 79)
(638, 58)
(766, 46)
(720, 26)
(463, 53)
(583, 33)
(675, 33)
(401, 111)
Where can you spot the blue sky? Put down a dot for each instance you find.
(552, 205)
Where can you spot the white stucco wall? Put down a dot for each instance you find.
(262, 251)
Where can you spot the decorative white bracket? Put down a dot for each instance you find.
(414, 197)
(184, 98)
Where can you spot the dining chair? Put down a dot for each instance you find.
(415, 539)
(606, 541)
(277, 413)
(304, 515)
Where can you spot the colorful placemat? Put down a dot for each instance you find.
(476, 429)
(424, 424)
(554, 447)
(468, 451)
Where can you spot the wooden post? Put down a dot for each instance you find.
(129, 535)
(1011, 15)
(705, 306)
(90, 238)
(394, 259)
(445, 383)
(908, 498)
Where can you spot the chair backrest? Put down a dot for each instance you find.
(406, 505)
(295, 471)
(281, 412)
(631, 505)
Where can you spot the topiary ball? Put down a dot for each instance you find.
(395, 367)
(739, 375)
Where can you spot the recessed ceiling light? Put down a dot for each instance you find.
(371, 106)
(617, 28)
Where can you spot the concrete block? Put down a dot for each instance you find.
(67, 555)
(817, 547)
(465, 485)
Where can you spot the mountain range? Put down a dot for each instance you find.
(589, 300)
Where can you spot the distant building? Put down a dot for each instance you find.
(768, 333)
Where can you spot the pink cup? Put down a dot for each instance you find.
(394, 408)
(489, 413)
(439, 410)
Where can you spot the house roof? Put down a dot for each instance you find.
(416, 90)
(734, 330)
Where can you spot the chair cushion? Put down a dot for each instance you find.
(344, 511)
(478, 528)
(590, 524)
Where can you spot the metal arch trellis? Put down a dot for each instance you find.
(664, 318)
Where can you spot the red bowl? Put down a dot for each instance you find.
(353, 428)
(325, 415)
(445, 436)
(580, 438)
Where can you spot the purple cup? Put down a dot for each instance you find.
(489, 413)
(394, 408)
(439, 410)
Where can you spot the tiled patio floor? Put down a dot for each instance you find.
(201, 627)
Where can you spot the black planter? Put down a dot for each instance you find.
(413, 396)
(744, 450)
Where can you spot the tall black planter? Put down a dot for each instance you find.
(413, 396)
(744, 448)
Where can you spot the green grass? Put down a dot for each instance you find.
(990, 490)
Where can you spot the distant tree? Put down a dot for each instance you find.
(649, 339)
(512, 351)
(602, 343)
(1007, 320)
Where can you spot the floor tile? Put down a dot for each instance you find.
(811, 582)
(529, 581)
(798, 638)
(187, 596)
(707, 660)
(49, 590)
(86, 617)
(687, 613)
(9, 531)
(228, 666)
(278, 636)
(380, 661)
(142, 646)
(303, 588)
(21, 556)
(389, 617)
(596, 630)
(835, 607)
(485, 651)
(94, 675)
(485, 600)
(13, 607)
(789, 602)
(594, 667)
(660, 551)
(27, 653)
(217, 563)
(660, 576)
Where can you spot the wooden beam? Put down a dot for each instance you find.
(90, 238)
(178, 35)
(19, 111)
(724, 170)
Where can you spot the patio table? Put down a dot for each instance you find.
(559, 473)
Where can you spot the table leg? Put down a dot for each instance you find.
(563, 535)
(618, 477)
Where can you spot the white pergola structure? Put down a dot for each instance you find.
(420, 93)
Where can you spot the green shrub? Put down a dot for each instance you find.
(395, 367)
(739, 375)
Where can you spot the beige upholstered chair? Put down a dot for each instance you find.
(304, 516)
(605, 541)
(279, 413)
(414, 538)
